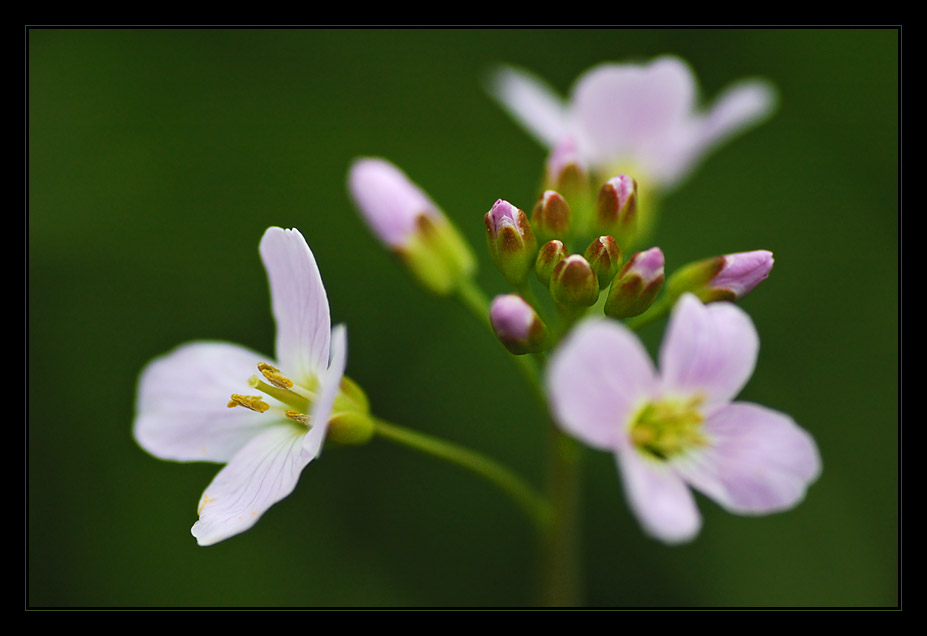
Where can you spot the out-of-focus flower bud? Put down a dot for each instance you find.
(636, 285)
(616, 209)
(517, 325)
(549, 256)
(574, 283)
(605, 257)
(407, 221)
(728, 277)
(551, 216)
(511, 241)
(566, 171)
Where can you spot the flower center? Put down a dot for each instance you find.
(668, 427)
(298, 399)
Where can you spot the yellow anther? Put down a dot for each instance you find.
(296, 416)
(274, 376)
(252, 402)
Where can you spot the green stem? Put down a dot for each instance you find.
(559, 521)
(527, 498)
(561, 577)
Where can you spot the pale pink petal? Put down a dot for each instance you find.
(299, 302)
(181, 410)
(596, 380)
(757, 460)
(671, 157)
(620, 109)
(709, 350)
(328, 391)
(531, 102)
(744, 104)
(258, 476)
(660, 499)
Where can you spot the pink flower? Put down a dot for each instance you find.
(264, 419)
(638, 118)
(680, 427)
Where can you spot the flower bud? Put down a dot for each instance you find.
(566, 171)
(728, 277)
(636, 285)
(549, 256)
(574, 283)
(511, 241)
(605, 257)
(616, 208)
(406, 220)
(517, 325)
(551, 216)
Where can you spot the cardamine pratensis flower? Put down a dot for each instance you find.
(264, 419)
(680, 427)
(639, 119)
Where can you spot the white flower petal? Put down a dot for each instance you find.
(758, 460)
(659, 497)
(328, 391)
(621, 110)
(531, 102)
(708, 349)
(299, 302)
(182, 412)
(596, 379)
(258, 476)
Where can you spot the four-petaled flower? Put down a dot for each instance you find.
(220, 402)
(638, 119)
(680, 426)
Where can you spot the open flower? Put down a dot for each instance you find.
(265, 419)
(680, 427)
(640, 119)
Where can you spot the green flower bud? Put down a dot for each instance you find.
(511, 241)
(574, 283)
(549, 256)
(616, 209)
(605, 257)
(551, 216)
(636, 286)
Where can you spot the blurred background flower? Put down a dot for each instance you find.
(158, 157)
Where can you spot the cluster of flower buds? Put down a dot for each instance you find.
(564, 215)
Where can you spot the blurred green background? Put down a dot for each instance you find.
(156, 159)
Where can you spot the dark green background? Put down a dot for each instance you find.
(156, 159)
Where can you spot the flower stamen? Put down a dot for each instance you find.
(284, 395)
(668, 427)
(274, 376)
(251, 402)
(301, 418)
